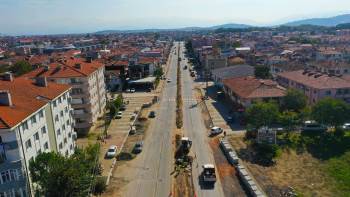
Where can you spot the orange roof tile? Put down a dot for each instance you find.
(250, 87)
(25, 98)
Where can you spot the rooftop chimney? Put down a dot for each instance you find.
(41, 81)
(8, 76)
(77, 65)
(5, 98)
(88, 59)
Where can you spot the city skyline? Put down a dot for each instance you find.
(56, 17)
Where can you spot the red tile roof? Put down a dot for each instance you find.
(315, 80)
(26, 100)
(250, 87)
(66, 69)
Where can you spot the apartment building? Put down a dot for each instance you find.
(316, 85)
(35, 117)
(88, 87)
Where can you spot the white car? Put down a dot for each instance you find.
(216, 130)
(112, 151)
(119, 115)
(346, 126)
(132, 90)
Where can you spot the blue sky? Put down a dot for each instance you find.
(79, 16)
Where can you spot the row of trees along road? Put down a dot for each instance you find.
(293, 110)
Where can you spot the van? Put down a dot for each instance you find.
(312, 125)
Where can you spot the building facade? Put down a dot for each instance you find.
(35, 117)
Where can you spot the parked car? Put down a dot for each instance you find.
(312, 125)
(132, 90)
(123, 107)
(138, 147)
(132, 130)
(128, 90)
(168, 80)
(229, 119)
(119, 115)
(112, 151)
(152, 114)
(215, 131)
(346, 126)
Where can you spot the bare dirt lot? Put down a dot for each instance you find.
(300, 171)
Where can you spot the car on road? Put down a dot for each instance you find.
(112, 151)
(138, 147)
(346, 126)
(152, 114)
(185, 67)
(119, 115)
(208, 175)
(311, 125)
(168, 80)
(132, 90)
(215, 131)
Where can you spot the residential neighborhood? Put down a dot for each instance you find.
(165, 111)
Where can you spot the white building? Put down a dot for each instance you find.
(88, 87)
(34, 117)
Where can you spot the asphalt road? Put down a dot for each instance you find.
(152, 168)
(195, 129)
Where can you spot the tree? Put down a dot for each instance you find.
(21, 67)
(289, 119)
(262, 72)
(331, 112)
(294, 100)
(56, 175)
(262, 114)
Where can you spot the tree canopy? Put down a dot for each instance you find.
(262, 114)
(21, 67)
(61, 176)
(262, 72)
(332, 112)
(294, 100)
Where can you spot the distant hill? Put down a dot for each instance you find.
(327, 22)
(224, 26)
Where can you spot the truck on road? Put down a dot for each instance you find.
(208, 175)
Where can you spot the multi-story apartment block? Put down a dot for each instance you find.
(88, 87)
(35, 117)
(316, 85)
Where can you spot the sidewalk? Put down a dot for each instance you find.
(218, 111)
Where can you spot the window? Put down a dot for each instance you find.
(61, 113)
(54, 104)
(59, 100)
(25, 125)
(64, 96)
(43, 130)
(28, 144)
(63, 127)
(58, 131)
(65, 140)
(46, 146)
(13, 174)
(66, 109)
(5, 176)
(36, 136)
(60, 146)
(39, 151)
(41, 114)
(69, 134)
(71, 147)
(67, 123)
(33, 119)
(328, 92)
(56, 118)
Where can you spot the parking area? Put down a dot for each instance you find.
(219, 111)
